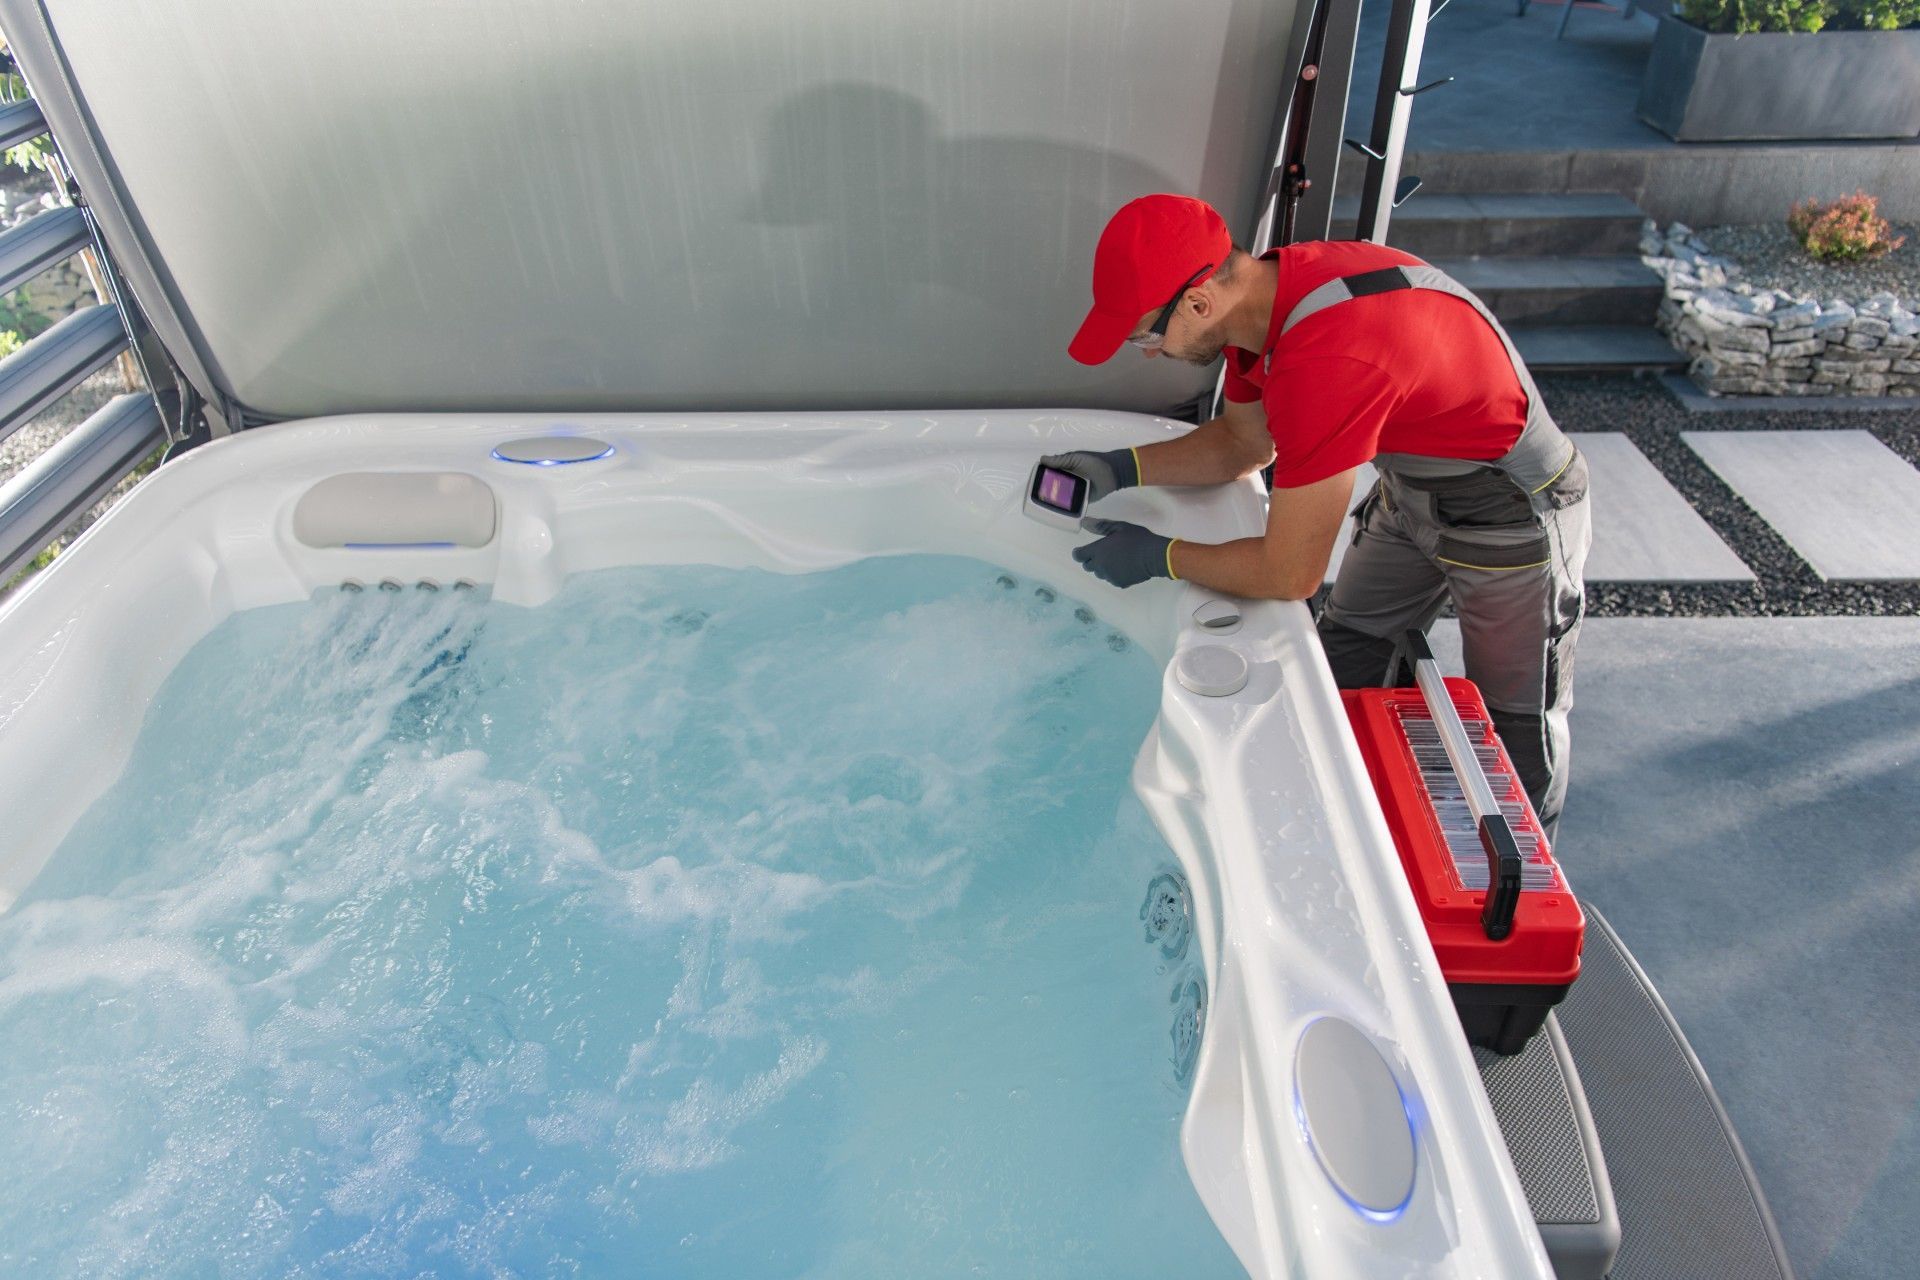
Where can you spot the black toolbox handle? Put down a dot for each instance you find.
(1496, 837)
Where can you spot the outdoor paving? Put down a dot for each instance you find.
(1848, 504)
(1643, 530)
(1529, 113)
(1742, 809)
(1578, 93)
(1742, 806)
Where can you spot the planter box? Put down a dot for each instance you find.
(1774, 86)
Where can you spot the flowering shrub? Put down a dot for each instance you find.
(1847, 230)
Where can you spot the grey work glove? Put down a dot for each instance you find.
(1103, 472)
(1126, 554)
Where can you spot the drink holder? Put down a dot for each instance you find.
(1496, 837)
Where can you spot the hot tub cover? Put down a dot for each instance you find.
(487, 205)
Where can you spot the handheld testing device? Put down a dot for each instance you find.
(1056, 497)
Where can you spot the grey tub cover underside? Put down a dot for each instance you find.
(361, 205)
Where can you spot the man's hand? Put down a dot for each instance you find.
(1125, 554)
(1103, 472)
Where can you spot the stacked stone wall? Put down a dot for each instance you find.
(1742, 340)
(61, 289)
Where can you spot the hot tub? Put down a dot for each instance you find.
(1336, 1124)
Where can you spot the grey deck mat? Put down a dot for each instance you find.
(1687, 1200)
(1540, 1105)
(1529, 1097)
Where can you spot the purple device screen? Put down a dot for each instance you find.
(1059, 489)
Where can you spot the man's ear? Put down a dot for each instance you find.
(1200, 303)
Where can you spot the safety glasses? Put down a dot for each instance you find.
(1156, 336)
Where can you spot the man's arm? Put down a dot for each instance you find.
(1289, 562)
(1222, 449)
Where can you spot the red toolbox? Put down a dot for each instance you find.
(1508, 955)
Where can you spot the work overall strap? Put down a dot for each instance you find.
(1541, 453)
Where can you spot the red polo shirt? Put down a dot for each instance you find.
(1411, 371)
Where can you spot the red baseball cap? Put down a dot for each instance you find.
(1150, 248)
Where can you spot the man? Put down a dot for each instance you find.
(1339, 353)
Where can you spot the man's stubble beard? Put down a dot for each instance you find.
(1202, 354)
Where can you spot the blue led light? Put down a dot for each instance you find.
(399, 546)
(552, 462)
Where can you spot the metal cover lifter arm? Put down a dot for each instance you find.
(1496, 837)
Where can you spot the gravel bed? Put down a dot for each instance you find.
(1770, 258)
(1787, 586)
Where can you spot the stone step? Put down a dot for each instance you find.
(1596, 348)
(1703, 184)
(1534, 291)
(1469, 226)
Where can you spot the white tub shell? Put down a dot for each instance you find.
(1301, 907)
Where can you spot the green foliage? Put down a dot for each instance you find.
(1886, 15)
(1743, 17)
(147, 464)
(34, 152)
(20, 322)
(17, 312)
(1849, 229)
(34, 566)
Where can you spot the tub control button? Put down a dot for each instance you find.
(552, 451)
(1217, 616)
(1354, 1118)
(1211, 670)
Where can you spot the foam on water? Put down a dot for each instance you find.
(697, 923)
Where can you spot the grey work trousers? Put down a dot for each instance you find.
(1514, 567)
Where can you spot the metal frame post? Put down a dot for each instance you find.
(1383, 191)
(1298, 203)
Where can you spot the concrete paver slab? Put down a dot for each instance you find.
(1694, 400)
(1846, 502)
(1643, 530)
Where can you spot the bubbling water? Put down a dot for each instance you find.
(696, 923)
